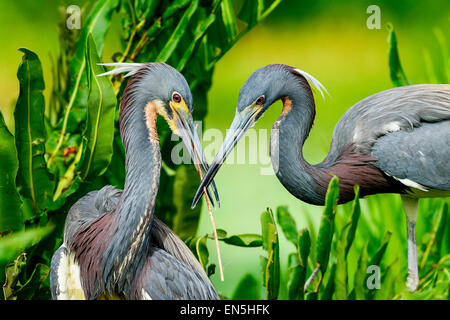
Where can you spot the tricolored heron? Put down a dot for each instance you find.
(395, 141)
(114, 246)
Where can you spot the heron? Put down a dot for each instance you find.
(114, 247)
(394, 141)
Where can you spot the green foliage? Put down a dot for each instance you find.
(398, 76)
(71, 145)
(270, 263)
(10, 203)
(339, 279)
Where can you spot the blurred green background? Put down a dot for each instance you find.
(328, 39)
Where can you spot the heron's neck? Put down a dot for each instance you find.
(289, 132)
(134, 214)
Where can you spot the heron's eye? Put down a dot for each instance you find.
(260, 100)
(176, 98)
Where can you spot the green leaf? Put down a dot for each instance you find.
(441, 227)
(240, 240)
(244, 240)
(35, 181)
(10, 214)
(343, 246)
(185, 219)
(341, 265)
(304, 247)
(178, 33)
(97, 23)
(250, 12)
(376, 259)
(326, 229)
(330, 286)
(229, 22)
(247, 289)
(14, 243)
(356, 213)
(270, 264)
(398, 76)
(359, 284)
(287, 224)
(298, 265)
(202, 252)
(198, 36)
(98, 135)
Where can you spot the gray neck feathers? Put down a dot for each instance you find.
(289, 133)
(134, 214)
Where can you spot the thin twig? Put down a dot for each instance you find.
(216, 238)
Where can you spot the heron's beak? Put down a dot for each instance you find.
(241, 122)
(186, 130)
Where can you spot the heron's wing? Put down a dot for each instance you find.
(165, 277)
(88, 208)
(65, 283)
(402, 108)
(57, 260)
(419, 158)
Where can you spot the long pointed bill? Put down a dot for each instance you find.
(188, 133)
(241, 122)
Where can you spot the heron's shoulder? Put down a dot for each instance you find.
(402, 108)
(90, 207)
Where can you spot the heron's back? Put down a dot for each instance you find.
(402, 108)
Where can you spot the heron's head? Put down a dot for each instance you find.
(160, 90)
(264, 86)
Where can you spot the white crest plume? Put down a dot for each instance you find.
(122, 67)
(313, 82)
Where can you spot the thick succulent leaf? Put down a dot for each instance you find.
(10, 202)
(35, 181)
(287, 224)
(326, 229)
(341, 264)
(359, 284)
(398, 76)
(202, 251)
(98, 135)
(378, 256)
(247, 289)
(356, 212)
(329, 289)
(270, 264)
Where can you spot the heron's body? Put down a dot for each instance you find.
(395, 141)
(114, 246)
(171, 271)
